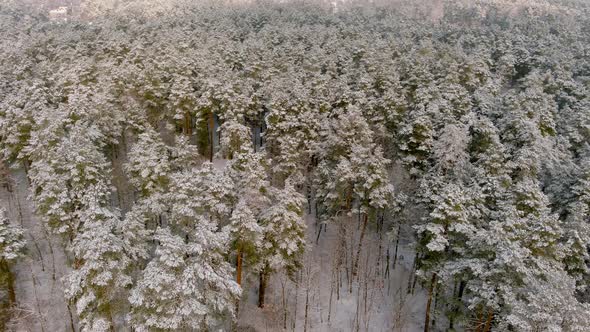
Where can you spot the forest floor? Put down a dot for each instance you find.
(375, 300)
(41, 305)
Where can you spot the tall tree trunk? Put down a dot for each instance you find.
(488, 326)
(72, 325)
(109, 313)
(396, 245)
(297, 280)
(387, 259)
(333, 283)
(309, 189)
(479, 323)
(239, 259)
(306, 308)
(348, 199)
(8, 284)
(188, 124)
(452, 306)
(462, 285)
(26, 167)
(380, 249)
(429, 303)
(5, 268)
(262, 289)
(285, 302)
(358, 252)
(435, 307)
(211, 126)
(412, 274)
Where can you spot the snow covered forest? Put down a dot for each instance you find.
(295, 166)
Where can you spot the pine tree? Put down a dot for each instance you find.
(149, 169)
(237, 137)
(71, 190)
(149, 166)
(292, 133)
(190, 249)
(523, 264)
(187, 285)
(101, 265)
(352, 166)
(283, 242)
(12, 246)
(251, 195)
(576, 228)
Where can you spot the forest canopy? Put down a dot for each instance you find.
(174, 146)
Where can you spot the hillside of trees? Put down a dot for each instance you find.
(296, 166)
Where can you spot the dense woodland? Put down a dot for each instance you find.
(178, 151)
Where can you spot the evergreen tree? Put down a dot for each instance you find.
(190, 249)
(12, 246)
(283, 242)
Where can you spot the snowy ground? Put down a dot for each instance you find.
(374, 303)
(39, 287)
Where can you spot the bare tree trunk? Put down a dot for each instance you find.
(317, 239)
(297, 280)
(333, 284)
(72, 326)
(284, 298)
(346, 266)
(396, 246)
(306, 308)
(52, 253)
(411, 278)
(111, 320)
(34, 240)
(366, 285)
(211, 124)
(309, 192)
(188, 124)
(5, 270)
(399, 320)
(262, 289)
(452, 307)
(462, 285)
(239, 258)
(348, 198)
(479, 323)
(414, 284)
(380, 249)
(358, 252)
(351, 279)
(436, 304)
(319, 301)
(316, 208)
(488, 326)
(429, 302)
(366, 290)
(387, 259)
(340, 253)
(8, 284)
(371, 295)
(413, 273)
(37, 302)
(26, 167)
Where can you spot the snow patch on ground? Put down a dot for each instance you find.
(375, 302)
(39, 288)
